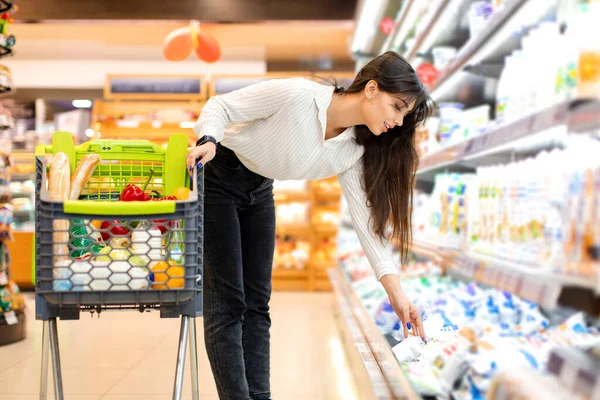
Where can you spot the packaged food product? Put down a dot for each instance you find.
(83, 172)
(449, 121)
(408, 349)
(478, 15)
(442, 56)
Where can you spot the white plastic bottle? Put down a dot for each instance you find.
(503, 94)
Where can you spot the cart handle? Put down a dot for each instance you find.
(109, 146)
(125, 208)
(83, 207)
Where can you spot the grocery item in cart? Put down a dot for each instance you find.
(59, 185)
(82, 175)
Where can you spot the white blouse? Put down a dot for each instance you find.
(277, 130)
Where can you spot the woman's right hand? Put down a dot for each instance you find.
(203, 153)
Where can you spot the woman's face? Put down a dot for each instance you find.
(384, 111)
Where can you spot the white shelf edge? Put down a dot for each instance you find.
(576, 116)
(530, 282)
(376, 353)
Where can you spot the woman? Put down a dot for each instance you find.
(299, 129)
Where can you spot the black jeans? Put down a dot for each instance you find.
(239, 244)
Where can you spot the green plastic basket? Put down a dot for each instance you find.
(124, 162)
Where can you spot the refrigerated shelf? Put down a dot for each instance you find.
(501, 36)
(431, 23)
(400, 32)
(499, 144)
(529, 282)
(377, 372)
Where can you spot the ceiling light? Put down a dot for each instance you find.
(89, 132)
(82, 103)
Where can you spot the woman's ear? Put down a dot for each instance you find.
(371, 89)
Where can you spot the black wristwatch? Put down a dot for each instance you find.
(206, 139)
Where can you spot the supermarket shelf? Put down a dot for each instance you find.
(325, 229)
(544, 288)
(281, 273)
(328, 195)
(526, 135)
(576, 370)
(399, 27)
(148, 130)
(22, 177)
(322, 266)
(291, 197)
(294, 230)
(491, 46)
(122, 124)
(434, 18)
(377, 372)
(6, 92)
(19, 195)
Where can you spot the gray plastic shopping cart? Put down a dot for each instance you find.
(98, 253)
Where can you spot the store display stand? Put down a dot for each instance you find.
(12, 317)
(12, 304)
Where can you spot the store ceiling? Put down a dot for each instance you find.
(204, 10)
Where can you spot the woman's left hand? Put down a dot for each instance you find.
(408, 313)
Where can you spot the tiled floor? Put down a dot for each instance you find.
(129, 356)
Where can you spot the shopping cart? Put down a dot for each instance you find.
(98, 253)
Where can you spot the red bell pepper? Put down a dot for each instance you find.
(162, 223)
(134, 193)
(116, 230)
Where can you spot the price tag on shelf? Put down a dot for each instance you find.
(3, 278)
(489, 276)
(513, 282)
(11, 318)
(503, 279)
(533, 289)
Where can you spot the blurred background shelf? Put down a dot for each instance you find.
(501, 35)
(522, 138)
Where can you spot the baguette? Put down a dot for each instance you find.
(59, 178)
(82, 174)
(59, 184)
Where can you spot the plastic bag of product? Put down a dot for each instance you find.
(451, 362)
(533, 321)
(422, 378)
(61, 275)
(575, 332)
(409, 349)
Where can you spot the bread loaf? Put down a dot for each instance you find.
(59, 178)
(59, 184)
(82, 174)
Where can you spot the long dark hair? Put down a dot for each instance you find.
(390, 160)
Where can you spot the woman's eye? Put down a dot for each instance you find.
(398, 107)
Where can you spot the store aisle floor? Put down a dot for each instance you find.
(128, 356)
